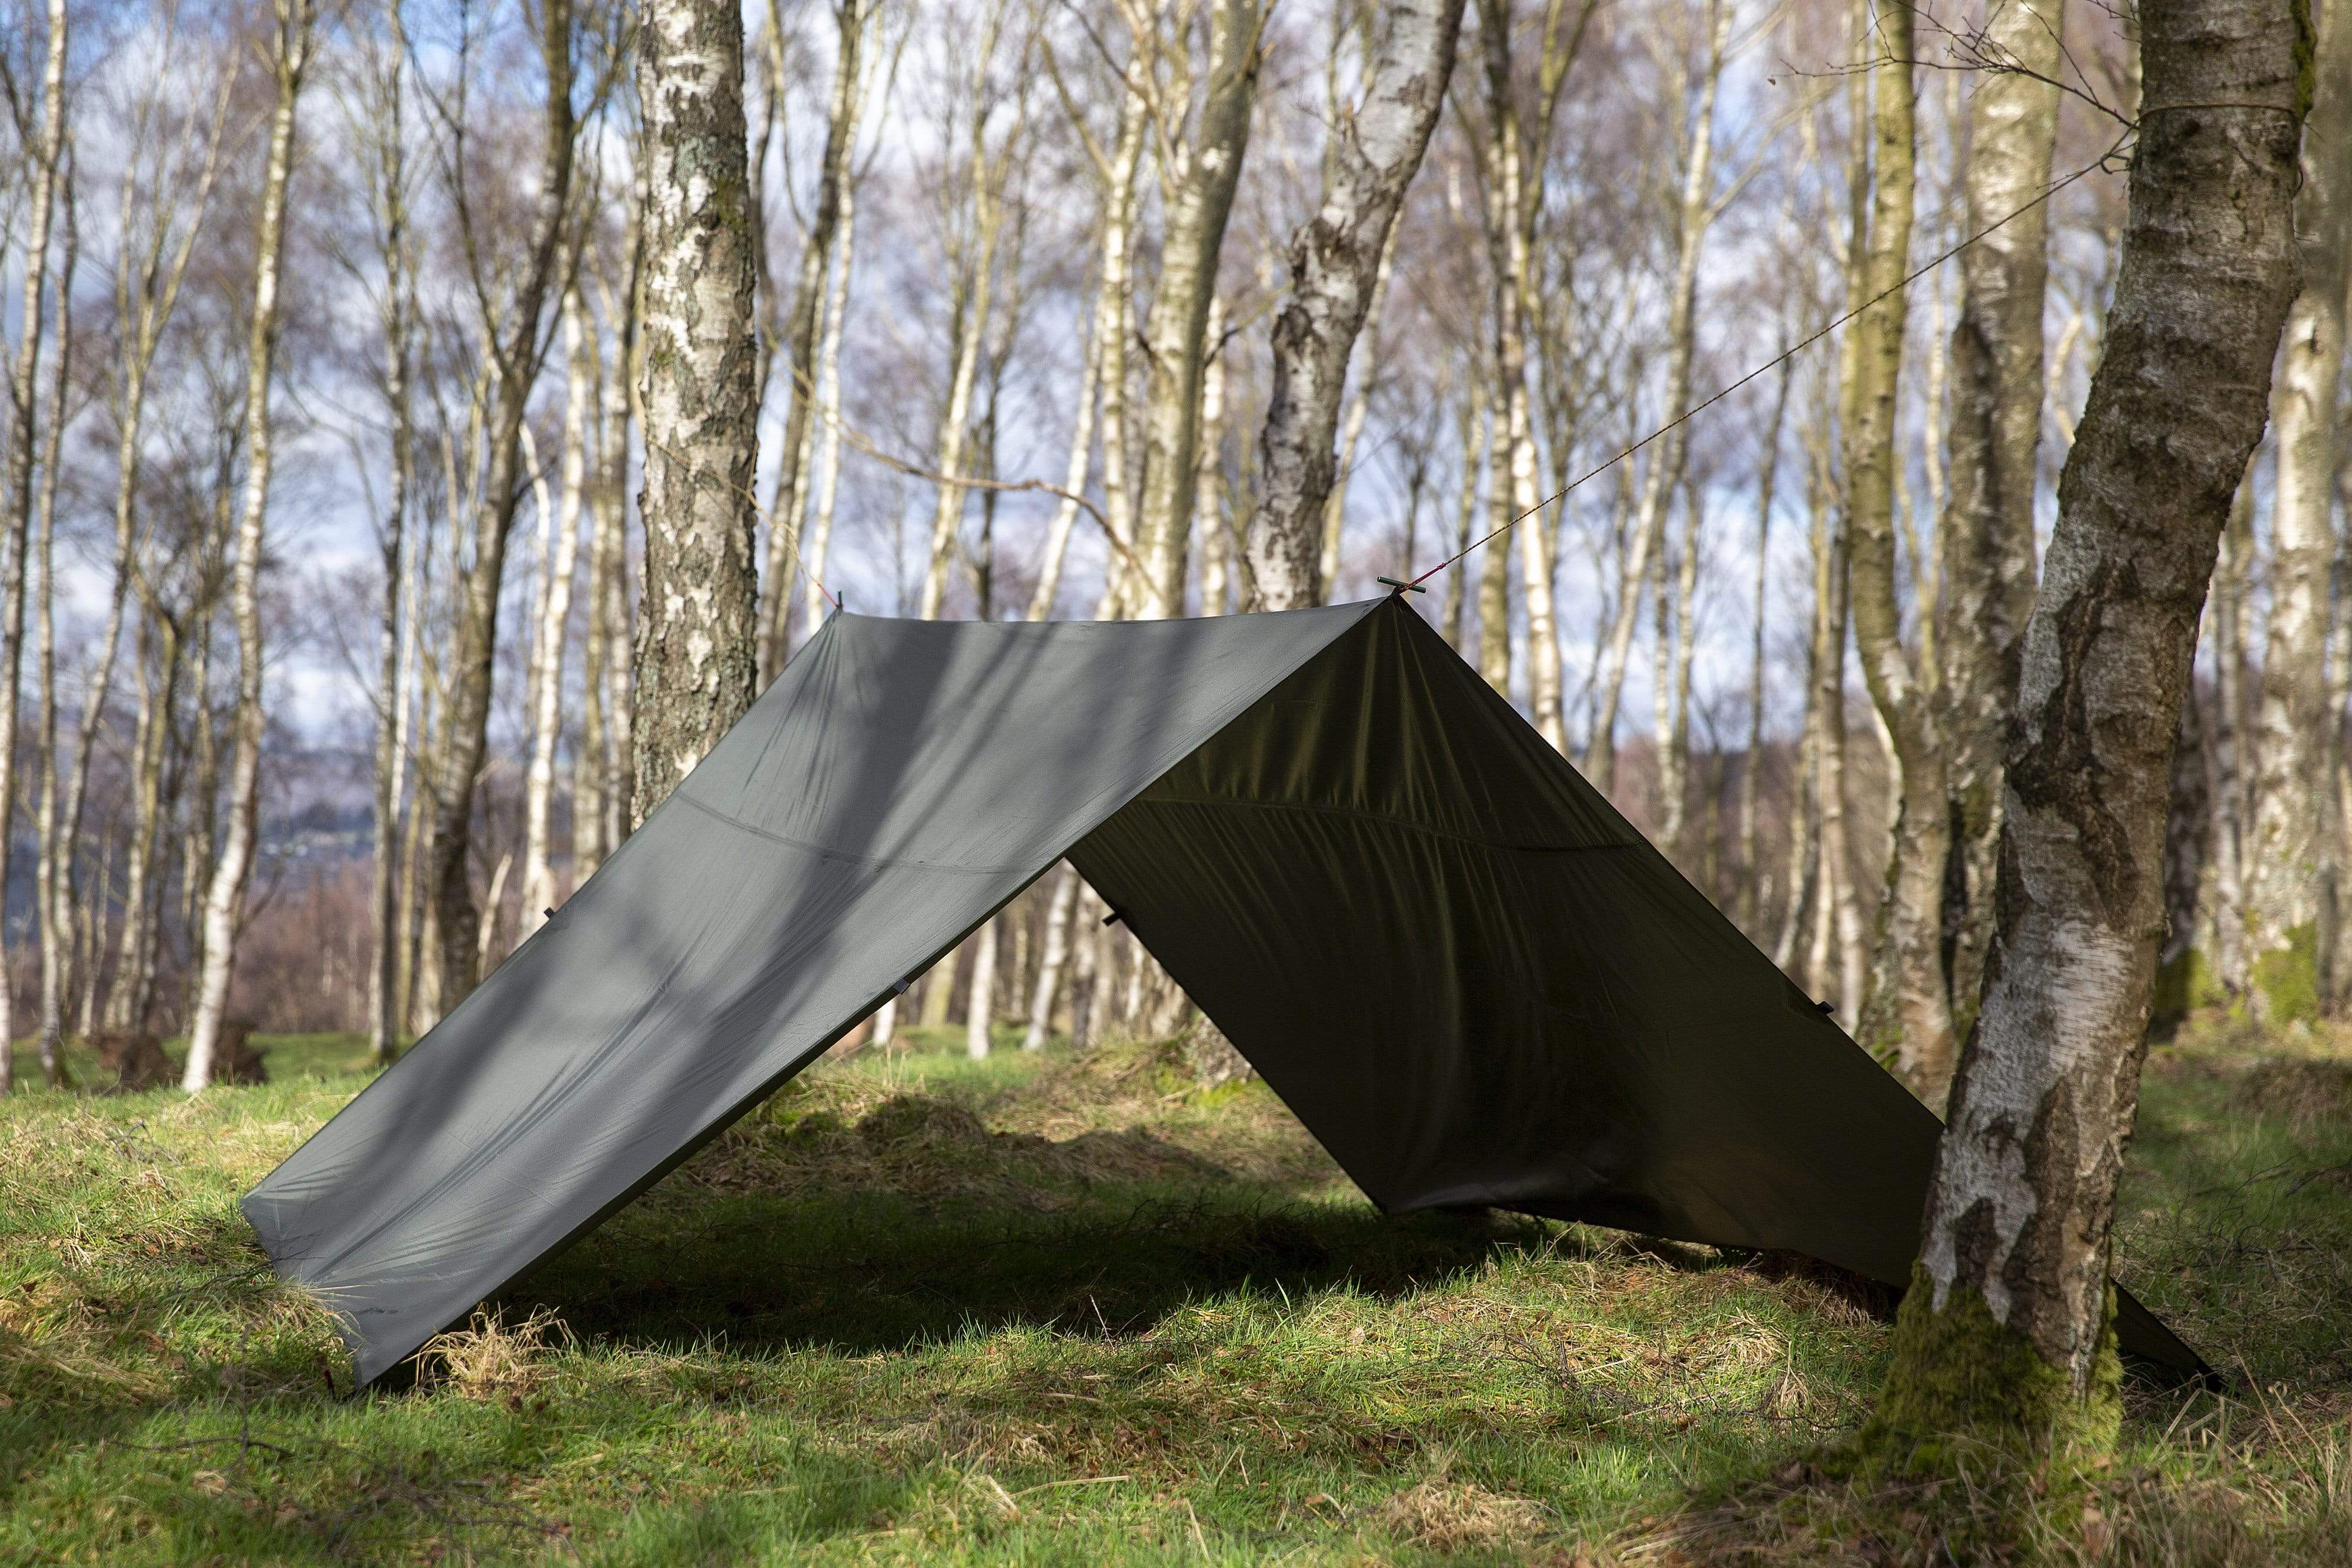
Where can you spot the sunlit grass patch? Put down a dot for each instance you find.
(1062, 1308)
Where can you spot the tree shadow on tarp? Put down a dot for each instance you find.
(860, 1273)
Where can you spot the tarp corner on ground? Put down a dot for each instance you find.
(1470, 978)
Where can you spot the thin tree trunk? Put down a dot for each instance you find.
(53, 866)
(1338, 264)
(2296, 729)
(1751, 768)
(802, 328)
(1997, 386)
(1055, 958)
(465, 727)
(973, 287)
(225, 899)
(392, 202)
(1351, 423)
(1199, 199)
(698, 623)
(2006, 1330)
(1676, 755)
(1473, 437)
(980, 1005)
(1511, 495)
(1695, 216)
(819, 539)
(2232, 738)
(25, 392)
(561, 551)
(1907, 1014)
(124, 1009)
(1085, 960)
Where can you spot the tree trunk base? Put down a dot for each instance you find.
(1967, 1391)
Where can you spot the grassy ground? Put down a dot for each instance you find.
(1062, 1309)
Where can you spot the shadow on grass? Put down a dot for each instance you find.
(865, 1274)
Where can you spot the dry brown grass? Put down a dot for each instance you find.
(488, 1359)
(1445, 1514)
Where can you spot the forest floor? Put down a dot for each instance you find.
(1066, 1309)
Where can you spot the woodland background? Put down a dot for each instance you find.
(977, 254)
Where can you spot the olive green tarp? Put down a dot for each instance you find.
(1470, 978)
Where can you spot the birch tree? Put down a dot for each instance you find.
(515, 345)
(1907, 1013)
(1695, 215)
(973, 255)
(224, 897)
(1199, 175)
(1336, 259)
(384, 139)
(2295, 724)
(696, 625)
(2006, 1330)
(560, 558)
(1986, 537)
(808, 312)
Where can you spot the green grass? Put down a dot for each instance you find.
(1046, 1309)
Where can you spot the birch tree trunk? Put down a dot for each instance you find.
(389, 178)
(560, 552)
(2007, 1329)
(1351, 423)
(24, 375)
(980, 1007)
(1751, 771)
(1997, 389)
(53, 866)
(801, 332)
(2294, 726)
(1693, 216)
(1907, 1015)
(974, 286)
(225, 898)
(1335, 264)
(1055, 958)
(2231, 764)
(697, 626)
(1511, 494)
(819, 539)
(514, 356)
(1198, 193)
(1074, 479)
(606, 766)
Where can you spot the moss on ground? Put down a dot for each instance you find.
(1050, 1309)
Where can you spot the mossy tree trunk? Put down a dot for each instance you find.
(2007, 1331)
(696, 656)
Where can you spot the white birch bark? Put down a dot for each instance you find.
(1986, 537)
(2016, 1246)
(2294, 736)
(1339, 263)
(1199, 178)
(1695, 215)
(697, 624)
(561, 551)
(1054, 960)
(225, 898)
